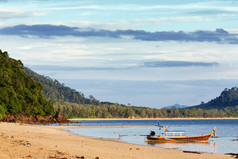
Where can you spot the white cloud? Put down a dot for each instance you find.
(137, 7)
(173, 19)
(85, 52)
(117, 53)
(8, 14)
(39, 13)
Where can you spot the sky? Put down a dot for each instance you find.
(151, 53)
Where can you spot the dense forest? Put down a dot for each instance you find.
(23, 91)
(19, 93)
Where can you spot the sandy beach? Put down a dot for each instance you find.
(42, 142)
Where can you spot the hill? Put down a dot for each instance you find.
(20, 94)
(21, 97)
(227, 99)
(58, 92)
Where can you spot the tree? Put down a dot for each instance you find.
(129, 112)
(2, 112)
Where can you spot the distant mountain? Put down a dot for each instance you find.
(227, 99)
(176, 106)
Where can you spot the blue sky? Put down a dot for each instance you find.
(147, 53)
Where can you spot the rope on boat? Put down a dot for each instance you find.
(131, 135)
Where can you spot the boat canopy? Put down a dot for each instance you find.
(175, 133)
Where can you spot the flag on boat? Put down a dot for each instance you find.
(213, 133)
(165, 128)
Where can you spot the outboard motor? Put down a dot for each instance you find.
(152, 133)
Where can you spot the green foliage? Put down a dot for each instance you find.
(2, 112)
(119, 111)
(19, 93)
(228, 98)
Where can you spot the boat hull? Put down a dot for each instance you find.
(202, 138)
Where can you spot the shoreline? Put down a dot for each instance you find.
(37, 141)
(153, 119)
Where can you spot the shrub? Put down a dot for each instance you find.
(2, 112)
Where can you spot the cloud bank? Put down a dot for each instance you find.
(178, 64)
(49, 31)
(153, 64)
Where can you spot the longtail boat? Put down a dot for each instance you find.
(178, 136)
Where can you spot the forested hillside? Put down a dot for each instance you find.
(57, 92)
(227, 99)
(73, 104)
(19, 93)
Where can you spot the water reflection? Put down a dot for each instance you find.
(210, 147)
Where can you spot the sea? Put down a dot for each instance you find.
(134, 131)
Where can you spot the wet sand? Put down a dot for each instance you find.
(42, 142)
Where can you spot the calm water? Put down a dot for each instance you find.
(227, 132)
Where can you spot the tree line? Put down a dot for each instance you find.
(74, 110)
